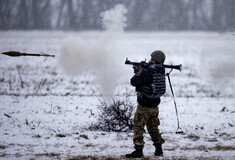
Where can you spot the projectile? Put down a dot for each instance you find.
(17, 54)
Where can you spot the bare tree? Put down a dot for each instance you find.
(142, 14)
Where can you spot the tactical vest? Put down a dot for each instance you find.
(159, 80)
(149, 93)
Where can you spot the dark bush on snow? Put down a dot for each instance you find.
(115, 116)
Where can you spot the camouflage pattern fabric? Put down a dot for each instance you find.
(147, 116)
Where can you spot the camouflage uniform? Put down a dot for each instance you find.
(149, 117)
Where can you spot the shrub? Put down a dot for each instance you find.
(115, 116)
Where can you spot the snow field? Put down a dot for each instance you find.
(53, 127)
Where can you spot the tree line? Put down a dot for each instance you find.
(215, 15)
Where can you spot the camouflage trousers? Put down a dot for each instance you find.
(149, 117)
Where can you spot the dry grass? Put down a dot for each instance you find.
(60, 135)
(37, 136)
(223, 148)
(171, 149)
(84, 136)
(216, 148)
(193, 137)
(48, 155)
(90, 145)
(211, 140)
(84, 158)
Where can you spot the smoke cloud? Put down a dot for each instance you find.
(115, 19)
(78, 54)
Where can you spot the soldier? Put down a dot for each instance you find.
(150, 86)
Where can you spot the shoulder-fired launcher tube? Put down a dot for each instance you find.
(145, 65)
(178, 67)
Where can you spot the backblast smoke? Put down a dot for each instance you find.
(78, 54)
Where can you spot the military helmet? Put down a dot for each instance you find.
(158, 56)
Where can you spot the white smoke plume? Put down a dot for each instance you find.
(79, 54)
(115, 19)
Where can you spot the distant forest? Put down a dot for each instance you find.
(211, 15)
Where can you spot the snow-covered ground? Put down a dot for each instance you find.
(44, 111)
(51, 127)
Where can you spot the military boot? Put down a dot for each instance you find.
(158, 150)
(138, 153)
